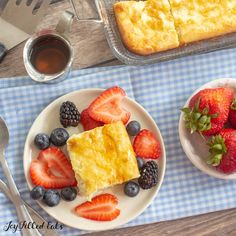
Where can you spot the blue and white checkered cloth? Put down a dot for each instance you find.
(162, 89)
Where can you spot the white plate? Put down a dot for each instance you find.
(130, 207)
(193, 144)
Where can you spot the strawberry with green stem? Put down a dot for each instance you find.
(208, 110)
(196, 120)
(223, 152)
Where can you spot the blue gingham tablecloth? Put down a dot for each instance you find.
(162, 89)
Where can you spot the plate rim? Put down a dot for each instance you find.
(161, 140)
(214, 173)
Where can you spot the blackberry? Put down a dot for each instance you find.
(148, 175)
(69, 114)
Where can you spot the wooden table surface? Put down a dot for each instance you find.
(91, 49)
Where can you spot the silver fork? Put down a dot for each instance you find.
(22, 212)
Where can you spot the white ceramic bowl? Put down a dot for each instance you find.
(130, 208)
(193, 144)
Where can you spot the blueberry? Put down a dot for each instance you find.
(59, 136)
(140, 162)
(133, 128)
(51, 197)
(42, 141)
(131, 189)
(68, 193)
(37, 192)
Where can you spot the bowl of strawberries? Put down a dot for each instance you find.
(207, 128)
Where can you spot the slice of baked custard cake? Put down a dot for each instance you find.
(102, 157)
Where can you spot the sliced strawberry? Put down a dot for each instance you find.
(146, 145)
(88, 122)
(52, 169)
(107, 106)
(101, 208)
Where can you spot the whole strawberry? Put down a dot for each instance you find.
(208, 110)
(232, 114)
(223, 151)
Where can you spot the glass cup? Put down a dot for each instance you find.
(48, 54)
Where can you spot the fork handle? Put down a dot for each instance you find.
(22, 212)
(3, 51)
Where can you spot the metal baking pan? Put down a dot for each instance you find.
(107, 18)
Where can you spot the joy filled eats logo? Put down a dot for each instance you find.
(14, 227)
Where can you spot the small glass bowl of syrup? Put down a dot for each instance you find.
(48, 57)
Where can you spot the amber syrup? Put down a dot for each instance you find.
(49, 55)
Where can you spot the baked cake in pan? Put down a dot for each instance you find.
(152, 26)
(146, 27)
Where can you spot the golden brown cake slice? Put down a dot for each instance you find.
(102, 157)
(200, 19)
(146, 27)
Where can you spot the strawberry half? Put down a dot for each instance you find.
(107, 106)
(101, 208)
(88, 122)
(52, 169)
(146, 145)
